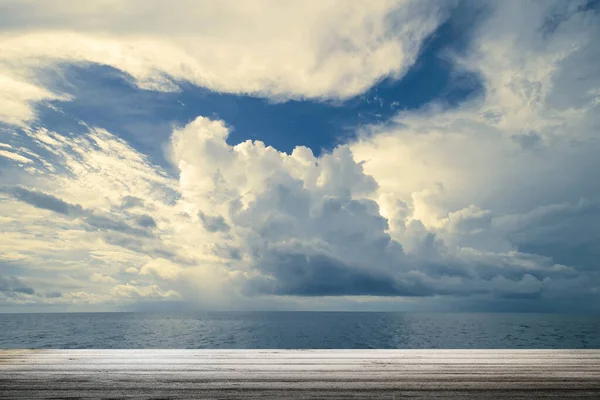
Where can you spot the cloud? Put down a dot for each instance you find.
(213, 224)
(64, 224)
(100, 278)
(112, 224)
(45, 201)
(318, 49)
(161, 268)
(319, 275)
(151, 292)
(276, 201)
(146, 221)
(10, 285)
(508, 171)
(18, 97)
(94, 221)
(304, 235)
(132, 201)
(14, 157)
(296, 225)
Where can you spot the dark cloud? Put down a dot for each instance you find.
(213, 224)
(11, 284)
(302, 274)
(567, 233)
(529, 140)
(319, 275)
(100, 222)
(25, 290)
(95, 221)
(146, 221)
(227, 251)
(146, 246)
(131, 201)
(44, 201)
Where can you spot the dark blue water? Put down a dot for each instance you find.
(304, 330)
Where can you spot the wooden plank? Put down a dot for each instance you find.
(302, 374)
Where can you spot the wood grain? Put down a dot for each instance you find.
(300, 374)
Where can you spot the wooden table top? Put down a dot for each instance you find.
(300, 374)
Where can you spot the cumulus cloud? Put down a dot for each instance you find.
(279, 205)
(508, 171)
(298, 225)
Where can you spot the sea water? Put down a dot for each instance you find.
(299, 330)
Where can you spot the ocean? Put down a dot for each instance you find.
(299, 330)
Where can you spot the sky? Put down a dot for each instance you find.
(285, 155)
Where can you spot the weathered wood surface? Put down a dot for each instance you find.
(300, 374)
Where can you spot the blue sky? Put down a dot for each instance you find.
(327, 155)
(146, 119)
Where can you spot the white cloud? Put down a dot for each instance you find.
(134, 292)
(18, 96)
(518, 146)
(100, 278)
(316, 49)
(14, 157)
(162, 268)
